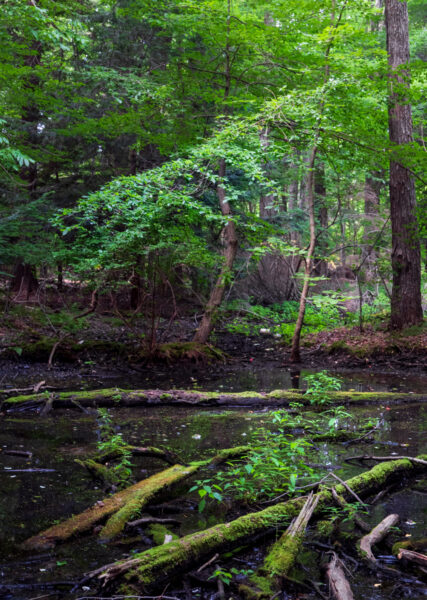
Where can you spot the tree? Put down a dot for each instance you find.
(406, 306)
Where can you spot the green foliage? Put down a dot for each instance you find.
(323, 312)
(112, 442)
(318, 386)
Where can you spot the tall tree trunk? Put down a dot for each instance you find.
(25, 280)
(229, 235)
(293, 194)
(321, 267)
(405, 256)
(372, 203)
(295, 349)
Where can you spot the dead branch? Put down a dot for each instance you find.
(338, 583)
(375, 536)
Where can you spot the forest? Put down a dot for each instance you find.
(213, 288)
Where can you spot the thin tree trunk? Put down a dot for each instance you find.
(230, 250)
(321, 267)
(372, 202)
(229, 233)
(295, 350)
(406, 306)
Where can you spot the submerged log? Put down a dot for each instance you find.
(153, 566)
(149, 451)
(126, 504)
(281, 557)
(338, 583)
(99, 471)
(376, 535)
(119, 397)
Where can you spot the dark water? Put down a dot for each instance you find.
(32, 501)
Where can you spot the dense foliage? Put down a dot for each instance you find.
(117, 119)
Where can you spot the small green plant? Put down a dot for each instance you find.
(222, 575)
(318, 386)
(113, 443)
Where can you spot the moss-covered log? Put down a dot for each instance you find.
(126, 504)
(119, 397)
(153, 566)
(99, 471)
(148, 451)
(281, 556)
(140, 494)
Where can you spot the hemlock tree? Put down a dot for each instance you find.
(406, 306)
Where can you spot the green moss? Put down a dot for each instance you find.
(415, 545)
(282, 556)
(325, 528)
(141, 496)
(159, 533)
(99, 471)
(117, 395)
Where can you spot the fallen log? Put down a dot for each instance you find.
(120, 397)
(411, 556)
(149, 451)
(338, 583)
(376, 535)
(339, 500)
(126, 504)
(281, 556)
(146, 490)
(98, 471)
(153, 566)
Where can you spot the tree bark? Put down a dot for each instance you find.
(230, 242)
(406, 306)
(372, 203)
(295, 349)
(321, 266)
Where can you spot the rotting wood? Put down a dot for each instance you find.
(149, 451)
(155, 565)
(126, 504)
(411, 556)
(385, 458)
(281, 556)
(338, 582)
(98, 471)
(145, 489)
(24, 453)
(149, 520)
(129, 398)
(375, 536)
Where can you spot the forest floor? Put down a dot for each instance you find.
(102, 346)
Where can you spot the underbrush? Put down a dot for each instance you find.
(322, 312)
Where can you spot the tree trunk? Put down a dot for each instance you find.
(405, 257)
(229, 235)
(24, 281)
(321, 267)
(295, 350)
(372, 202)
